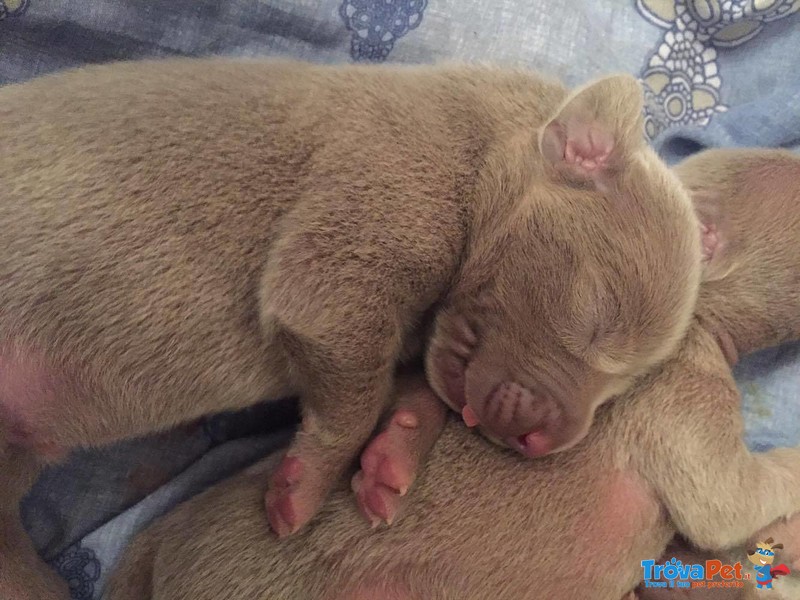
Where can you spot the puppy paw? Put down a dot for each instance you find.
(293, 496)
(388, 468)
(392, 460)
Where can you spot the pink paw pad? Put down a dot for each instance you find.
(282, 501)
(281, 515)
(388, 468)
(377, 503)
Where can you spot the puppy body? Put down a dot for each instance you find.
(667, 457)
(186, 237)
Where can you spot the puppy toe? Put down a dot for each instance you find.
(295, 494)
(376, 502)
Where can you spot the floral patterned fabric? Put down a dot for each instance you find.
(682, 77)
(685, 78)
(714, 73)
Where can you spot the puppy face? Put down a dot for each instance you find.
(587, 283)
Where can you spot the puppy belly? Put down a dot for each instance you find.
(626, 527)
(624, 504)
(30, 393)
(593, 552)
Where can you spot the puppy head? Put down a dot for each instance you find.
(749, 204)
(588, 279)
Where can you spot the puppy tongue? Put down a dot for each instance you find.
(469, 416)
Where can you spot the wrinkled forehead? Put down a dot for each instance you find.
(622, 238)
(600, 241)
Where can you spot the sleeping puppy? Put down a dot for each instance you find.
(665, 458)
(186, 237)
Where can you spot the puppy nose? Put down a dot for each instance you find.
(535, 443)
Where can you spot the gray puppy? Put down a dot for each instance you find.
(190, 236)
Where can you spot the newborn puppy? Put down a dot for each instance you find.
(186, 237)
(667, 457)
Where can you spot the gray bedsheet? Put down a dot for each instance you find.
(715, 73)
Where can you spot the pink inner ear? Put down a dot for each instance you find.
(710, 240)
(584, 147)
(589, 148)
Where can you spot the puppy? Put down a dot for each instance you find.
(185, 237)
(666, 458)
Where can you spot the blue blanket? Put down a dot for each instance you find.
(715, 73)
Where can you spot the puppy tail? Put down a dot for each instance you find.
(133, 577)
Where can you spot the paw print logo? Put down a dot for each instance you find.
(12, 8)
(378, 24)
(682, 80)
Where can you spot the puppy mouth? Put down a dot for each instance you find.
(763, 562)
(522, 417)
(533, 443)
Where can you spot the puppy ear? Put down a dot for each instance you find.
(716, 236)
(595, 130)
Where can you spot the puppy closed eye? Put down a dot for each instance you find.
(608, 314)
(601, 317)
(606, 346)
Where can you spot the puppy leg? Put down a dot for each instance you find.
(716, 491)
(390, 462)
(337, 420)
(341, 327)
(23, 575)
(746, 493)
